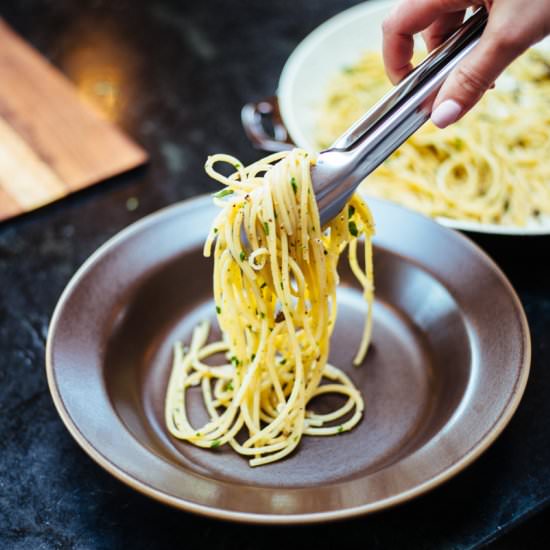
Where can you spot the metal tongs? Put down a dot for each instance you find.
(402, 111)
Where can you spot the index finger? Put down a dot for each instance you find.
(408, 18)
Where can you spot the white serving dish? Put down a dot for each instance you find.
(339, 42)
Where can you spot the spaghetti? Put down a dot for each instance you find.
(275, 279)
(493, 166)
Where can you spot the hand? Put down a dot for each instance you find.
(513, 26)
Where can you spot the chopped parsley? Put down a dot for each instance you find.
(242, 256)
(294, 185)
(229, 386)
(353, 228)
(215, 444)
(235, 361)
(132, 203)
(218, 310)
(223, 193)
(340, 429)
(252, 357)
(351, 211)
(266, 228)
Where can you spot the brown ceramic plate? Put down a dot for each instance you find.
(447, 368)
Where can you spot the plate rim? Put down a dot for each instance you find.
(264, 518)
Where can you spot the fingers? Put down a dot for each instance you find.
(442, 28)
(477, 72)
(511, 29)
(408, 18)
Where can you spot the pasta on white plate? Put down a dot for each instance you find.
(275, 279)
(491, 167)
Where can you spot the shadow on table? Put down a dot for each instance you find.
(523, 259)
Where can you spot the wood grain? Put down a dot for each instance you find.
(51, 143)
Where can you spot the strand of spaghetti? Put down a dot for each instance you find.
(229, 435)
(175, 411)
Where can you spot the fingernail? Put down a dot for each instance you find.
(446, 113)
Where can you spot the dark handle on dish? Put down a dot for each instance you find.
(254, 116)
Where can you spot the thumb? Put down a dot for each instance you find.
(476, 73)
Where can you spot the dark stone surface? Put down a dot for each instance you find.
(181, 71)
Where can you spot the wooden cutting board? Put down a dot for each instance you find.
(51, 143)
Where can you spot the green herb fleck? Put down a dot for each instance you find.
(266, 228)
(132, 203)
(282, 361)
(351, 211)
(242, 256)
(262, 314)
(237, 165)
(215, 444)
(353, 228)
(459, 144)
(252, 357)
(229, 386)
(294, 185)
(235, 361)
(282, 288)
(340, 429)
(218, 310)
(198, 434)
(223, 193)
(215, 229)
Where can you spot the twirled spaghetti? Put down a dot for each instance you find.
(275, 278)
(493, 166)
